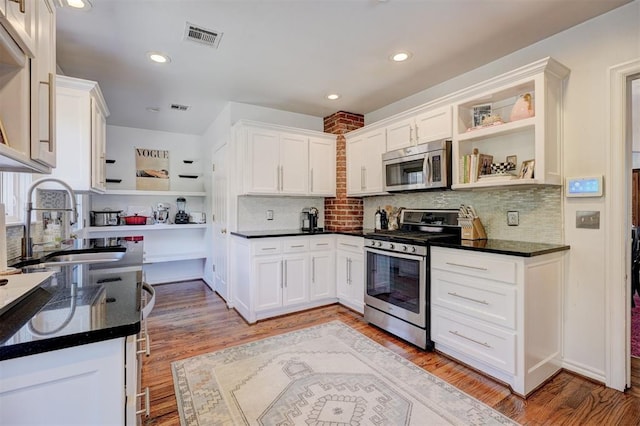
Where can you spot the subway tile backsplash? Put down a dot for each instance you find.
(252, 212)
(540, 210)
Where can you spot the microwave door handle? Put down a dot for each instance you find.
(426, 169)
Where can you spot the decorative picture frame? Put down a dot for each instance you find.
(3, 135)
(526, 170)
(513, 159)
(479, 113)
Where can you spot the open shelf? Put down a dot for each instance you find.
(159, 193)
(157, 227)
(174, 257)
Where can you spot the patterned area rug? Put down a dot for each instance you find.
(324, 375)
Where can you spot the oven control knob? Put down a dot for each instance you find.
(404, 248)
(379, 244)
(413, 249)
(391, 246)
(373, 243)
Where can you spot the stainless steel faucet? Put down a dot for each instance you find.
(27, 246)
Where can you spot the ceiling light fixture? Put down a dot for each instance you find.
(400, 56)
(158, 57)
(333, 96)
(79, 4)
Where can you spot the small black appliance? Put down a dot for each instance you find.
(182, 216)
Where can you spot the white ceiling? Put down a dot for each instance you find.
(288, 54)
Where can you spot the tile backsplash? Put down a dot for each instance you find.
(252, 212)
(539, 208)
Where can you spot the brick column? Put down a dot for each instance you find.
(342, 213)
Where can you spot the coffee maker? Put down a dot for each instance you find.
(309, 219)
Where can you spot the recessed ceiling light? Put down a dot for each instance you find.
(158, 57)
(333, 96)
(400, 56)
(79, 4)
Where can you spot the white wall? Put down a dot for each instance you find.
(589, 50)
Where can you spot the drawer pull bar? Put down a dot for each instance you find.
(479, 268)
(484, 302)
(268, 248)
(485, 344)
(350, 245)
(298, 246)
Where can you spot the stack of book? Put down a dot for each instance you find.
(472, 166)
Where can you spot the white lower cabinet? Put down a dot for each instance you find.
(286, 274)
(350, 272)
(78, 385)
(497, 313)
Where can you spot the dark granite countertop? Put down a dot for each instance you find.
(511, 248)
(77, 305)
(292, 233)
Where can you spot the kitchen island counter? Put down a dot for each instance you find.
(507, 247)
(79, 304)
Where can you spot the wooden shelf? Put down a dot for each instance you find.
(158, 193)
(498, 129)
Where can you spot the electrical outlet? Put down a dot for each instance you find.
(512, 218)
(269, 214)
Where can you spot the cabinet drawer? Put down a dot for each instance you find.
(482, 299)
(354, 244)
(485, 343)
(266, 247)
(478, 265)
(321, 243)
(295, 245)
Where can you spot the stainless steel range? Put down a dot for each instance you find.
(397, 273)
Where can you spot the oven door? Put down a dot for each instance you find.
(396, 284)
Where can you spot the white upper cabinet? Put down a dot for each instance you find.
(364, 162)
(322, 166)
(43, 84)
(27, 58)
(81, 134)
(427, 126)
(525, 107)
(278, 160)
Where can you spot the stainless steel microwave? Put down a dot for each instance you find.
(420, 167)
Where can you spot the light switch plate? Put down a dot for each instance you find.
(513, 218)
(588, 219)
(269, 214)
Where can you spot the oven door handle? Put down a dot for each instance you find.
(426, 169)
(395, 254)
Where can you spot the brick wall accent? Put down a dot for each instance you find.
(342, 213)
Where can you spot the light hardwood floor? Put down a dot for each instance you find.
(189, 319)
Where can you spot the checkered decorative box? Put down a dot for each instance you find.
(502, 168)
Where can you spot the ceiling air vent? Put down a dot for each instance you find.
(201, 35)
(178, 107)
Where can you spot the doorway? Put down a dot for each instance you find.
(633, 129)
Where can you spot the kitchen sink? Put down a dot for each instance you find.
(77, 256)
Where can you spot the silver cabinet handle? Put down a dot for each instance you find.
(362, 178)
(484, 302)
(417, 137)
(147, 406)
(349, 270)
(350, 245)
(281, 178)
(313, 270)
(22, 5)
(298, 246)
(146, 339)
(485, 344)
(281, 273)
(311, 178)
(268, 248)
(410, 135)
(478, 268)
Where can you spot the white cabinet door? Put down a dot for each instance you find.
(434, 125)
(374, 146)
(322, 282)
(43, 82)
(322, 167)
(295, 279)
(294, 164)
(98, 148)
(21, 15)
(355, 166)
(357, 281)
(263, 172)
(268, 282)
(400, 134)
(343, 287)
(364, 163)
